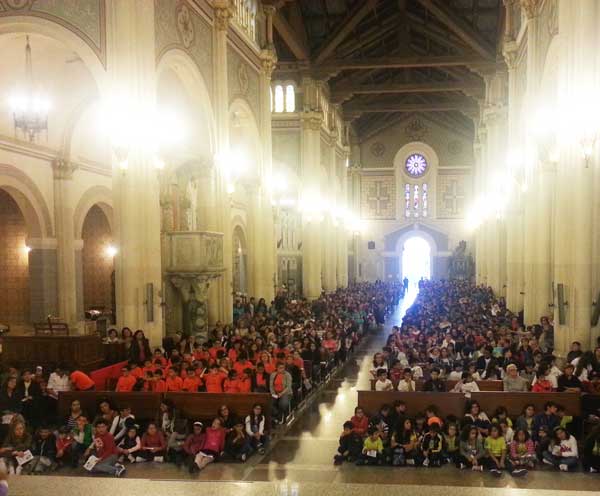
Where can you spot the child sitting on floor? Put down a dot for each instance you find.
(451, 444)
(351, 444)
(372, 452)
(431, 446)
(563, 452)
(522, 450)
(43, 451)
(130, 445)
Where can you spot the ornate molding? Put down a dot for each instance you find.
(268, 61)
(510, 50)
(223, 13)
(63, 168)
(312, 121)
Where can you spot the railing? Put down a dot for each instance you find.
(194, 251)
(245, 16)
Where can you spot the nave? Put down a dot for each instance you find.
(301, 460)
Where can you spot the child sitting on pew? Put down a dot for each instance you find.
(383, 383)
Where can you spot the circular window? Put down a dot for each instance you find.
(416, 165)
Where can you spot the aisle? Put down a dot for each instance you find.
(306, 452)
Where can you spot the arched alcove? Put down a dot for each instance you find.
(97, 260)
(14, 262)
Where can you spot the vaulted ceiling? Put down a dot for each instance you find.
(385, 59)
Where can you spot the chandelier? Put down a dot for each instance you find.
(29, 107)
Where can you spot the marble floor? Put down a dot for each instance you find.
(301, 460)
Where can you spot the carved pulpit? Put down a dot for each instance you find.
(462, 265)
(192, 260)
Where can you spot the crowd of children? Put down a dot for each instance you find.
(264, 351)
(456, 331)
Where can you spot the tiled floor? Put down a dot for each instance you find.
(301, 462)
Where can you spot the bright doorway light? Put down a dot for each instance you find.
(416, 260)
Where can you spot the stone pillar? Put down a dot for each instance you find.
(312, 232)
(514, 260)
(543, 263)
(220, 292)
(78, 247)
(480, 237)
(65, 237)
(529, 255)
(267, 248)
(132, 73)
(329, 261)
(43, 278)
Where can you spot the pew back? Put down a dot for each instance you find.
(446, 403)
(484, 385)
(143, 405)
(515, 402)
(204, 406)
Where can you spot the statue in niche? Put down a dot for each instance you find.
(462, 265)
(194, 307)
(191, 196)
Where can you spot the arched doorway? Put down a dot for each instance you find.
(14, 262)
(416, 260)
(97, 262)
(240, 262)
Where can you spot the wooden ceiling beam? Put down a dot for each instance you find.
(290, 37)
(463, 106)
(460, 27)
(345, 27)
(394, 88)
(403, 62)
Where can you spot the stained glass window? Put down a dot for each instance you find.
(416, 200)
(424, 200)
(290, 98)
(416, 165)
(407, 200)
(279, 98)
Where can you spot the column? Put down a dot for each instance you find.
(311, 190)
(65, 236)
(136, 190)
(514, 259)
(480, 245)
(220, 292)
(529, 255)
(543, 263)
(43, 278)
(267, 248)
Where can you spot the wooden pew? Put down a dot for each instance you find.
(484, 385)
(446, 403)
(204, 406)
(143, 405)
(515, 402)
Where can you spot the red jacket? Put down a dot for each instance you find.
(193, 443)
(360, 425)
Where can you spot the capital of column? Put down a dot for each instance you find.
(223, 13)
(531, 8)
(510, 51)
(494, 112)
(268, 60)
(63, 168)
(312, 121)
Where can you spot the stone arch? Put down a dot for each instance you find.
(50, 29)
(96, 195)
(244, 131)
(29, 199)
(192, 79)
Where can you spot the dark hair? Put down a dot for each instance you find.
(348, 425)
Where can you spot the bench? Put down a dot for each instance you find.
(143, 405)
(446, 403)
(515, 402)
(455, 403)
(484, 385)
(204, 406)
